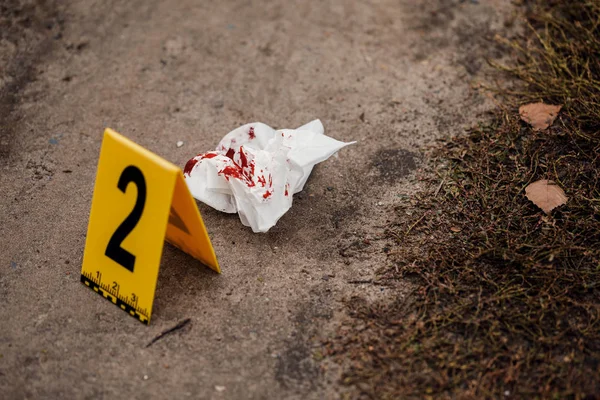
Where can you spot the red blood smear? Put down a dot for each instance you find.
(262, 180)
(189, 166)
(231, 172)
(243, 159)
(234, 171)
(286, 189)
(267, 194)
(238, 171)
(270, 180)
(251, 133)
(209, 155)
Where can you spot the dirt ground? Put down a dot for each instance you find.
(394, 75)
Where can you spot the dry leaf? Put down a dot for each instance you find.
(539, 115)
(546, 195)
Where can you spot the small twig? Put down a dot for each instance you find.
(358, 282)
(415, 224)
(437, 191)
(369, 282)
(177, 327)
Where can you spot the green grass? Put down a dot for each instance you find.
(507, 298)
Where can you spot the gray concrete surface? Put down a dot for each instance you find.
(392, 74)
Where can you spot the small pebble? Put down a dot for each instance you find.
(220, 388)
(179, 144)
(145, 377)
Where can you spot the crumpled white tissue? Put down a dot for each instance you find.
(256, 170)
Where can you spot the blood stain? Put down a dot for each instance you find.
(243, 159)
(208, 155)
(243, 171)
(231, 172)
(189, 166)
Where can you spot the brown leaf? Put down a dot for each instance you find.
(546, 195)
(539, 115)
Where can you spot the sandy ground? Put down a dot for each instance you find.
(393, 75)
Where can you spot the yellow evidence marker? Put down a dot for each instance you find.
(139, 199)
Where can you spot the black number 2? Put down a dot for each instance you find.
(114, 251)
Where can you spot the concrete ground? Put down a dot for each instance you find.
(393, 75)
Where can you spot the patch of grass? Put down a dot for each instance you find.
(507, 298)
(560, 61)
